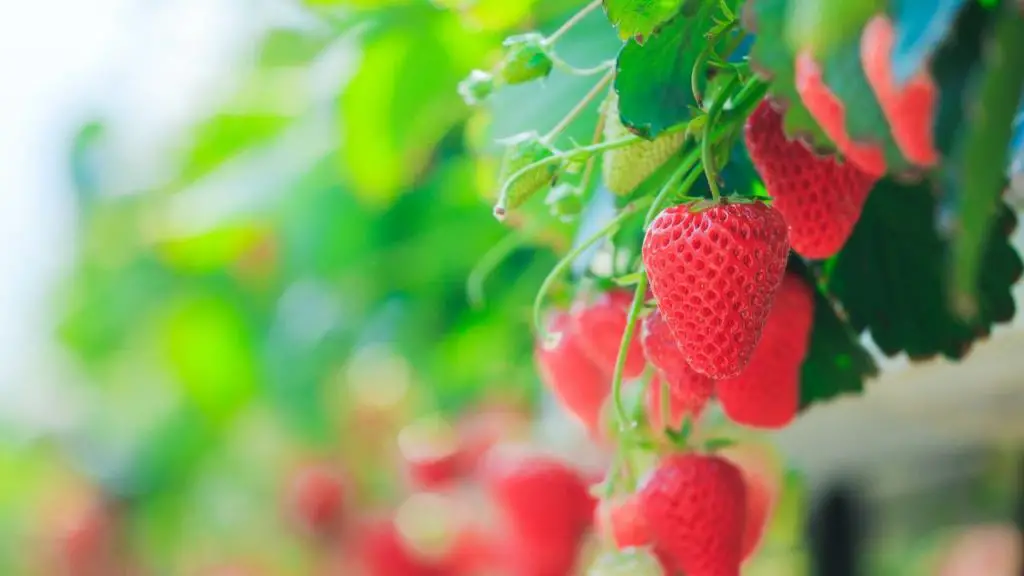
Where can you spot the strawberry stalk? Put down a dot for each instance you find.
(488, 262)
(574, 20)
(624, 421)
(707, 143)
(538, 303)
(580, 106)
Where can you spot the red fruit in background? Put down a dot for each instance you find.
(432, 452)
(689, 391)
(576, 382)
(316, 498)
(620, 522)
(767, 393)
(762, 472)
(715, 273)
(381, 552)
(830, 113)
(484, 427)
(84, 542)
(695, 506)
(545, 507)
(600, 325)
(910, 108)
(820, 198)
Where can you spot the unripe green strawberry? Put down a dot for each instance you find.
(626, 168)
(526, 59)
(476, 87)
(524, 149)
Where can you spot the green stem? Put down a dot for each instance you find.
(623, 419)
(488, 263)
(685, 167)
(566, 261)
(557, 34)
(707, 142)
(579, 107)
(570, 69)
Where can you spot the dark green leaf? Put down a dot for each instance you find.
(773, 60)
(985, 154)
(653, 79)
(639, 17)
(891, 276)
(836, 361)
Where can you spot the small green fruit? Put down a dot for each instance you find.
(526, 59)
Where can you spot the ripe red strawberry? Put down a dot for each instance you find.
(381, 552)
(545, 507)
(909, 108)
(83, 541)
(762, 473)
(579, 385)
(620, 522)
(600, 325)
(820, 198)
(715, 273)
(316, 498)
(830, 113)
(689, 391)
(695, 506)
(767, 393)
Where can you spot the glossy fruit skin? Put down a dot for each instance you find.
(767, 394)
(621, 523)
(316, 498)
(545, 509)
(577, 383)
(600, 325)
(695, 506)
(910, 109)
(763, 469)
(820, 198)
(830, 113)
(714, 273)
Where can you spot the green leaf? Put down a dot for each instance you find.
(773, 59)
(980, 167)
(210, 351)
(403, 100)
(639, 17)
(836, 361)
(653, 79)
(821, 25)
(226, 135)
(891, 276)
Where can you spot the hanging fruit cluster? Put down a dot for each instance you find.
(753, 293)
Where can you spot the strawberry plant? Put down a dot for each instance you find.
(660, 215)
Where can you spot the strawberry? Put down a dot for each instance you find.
(636, 562)
(546, 510)
(767, 393)
(820, 198)
(579, 385)
(695, 506)
(620, 522)
(84, 541)
(762, 473)
(521, 151)
(689, 390)
(714, 273)
(381, 552)
(830, 114)
(316, 498)
(432, 451)
(600, 325)
(626, 168)
(909, 108)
